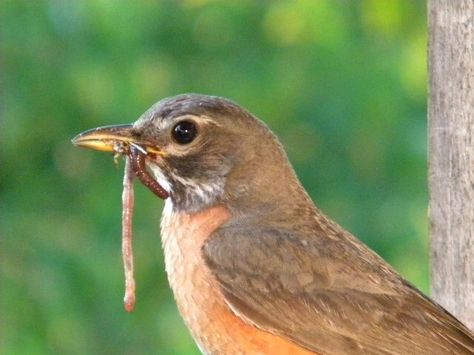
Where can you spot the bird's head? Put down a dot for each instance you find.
(202, 150)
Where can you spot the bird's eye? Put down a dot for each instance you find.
(184, 132)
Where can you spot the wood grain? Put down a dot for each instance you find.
(451, 151)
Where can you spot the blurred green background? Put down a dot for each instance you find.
(343, 83)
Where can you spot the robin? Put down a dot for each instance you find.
(255, 266)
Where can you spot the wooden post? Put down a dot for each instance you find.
(451, 154)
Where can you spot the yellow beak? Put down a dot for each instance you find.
(106, 139)
(116, 139)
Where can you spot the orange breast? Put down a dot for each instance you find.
(213, 325)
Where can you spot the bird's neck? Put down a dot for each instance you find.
(270, 188)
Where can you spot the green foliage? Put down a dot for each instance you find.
(342, 83)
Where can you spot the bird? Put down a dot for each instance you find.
(255, 267)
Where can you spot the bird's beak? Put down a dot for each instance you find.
(105, 139)
(115, 139)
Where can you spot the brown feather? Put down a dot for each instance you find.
(328, 292)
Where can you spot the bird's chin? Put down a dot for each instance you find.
(185, 195)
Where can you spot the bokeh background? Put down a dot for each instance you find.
(343, 83)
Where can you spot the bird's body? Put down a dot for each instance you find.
(255, 267)
(216, 328)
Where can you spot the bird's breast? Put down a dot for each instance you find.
(213, 325)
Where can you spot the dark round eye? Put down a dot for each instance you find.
(184, 132)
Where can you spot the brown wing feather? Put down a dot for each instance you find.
(331, 295)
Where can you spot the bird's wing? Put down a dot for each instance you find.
(329, 295)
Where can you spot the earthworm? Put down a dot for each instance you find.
(134, 166)
(127, 251)
(137, 158)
